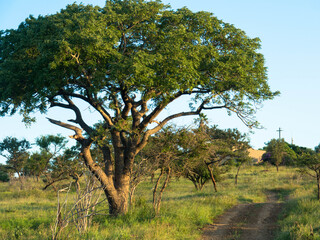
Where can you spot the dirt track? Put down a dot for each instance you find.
(255, 221)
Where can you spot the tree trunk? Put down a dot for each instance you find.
(201, 185)
(194, 181)
(155, 190)
(132, 190)
(20, 180)
(116, 184)
(212, 178)
(157, 197)
(236, 177)
(318, 184)
(118, 205)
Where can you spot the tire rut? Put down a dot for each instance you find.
(256, 221)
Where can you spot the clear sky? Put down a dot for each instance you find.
(290, 34)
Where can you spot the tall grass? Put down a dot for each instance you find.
(29, 213)
(301, 216)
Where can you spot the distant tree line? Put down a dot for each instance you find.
(200, 154)
(52, 162)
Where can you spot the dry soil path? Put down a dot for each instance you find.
(256, 221)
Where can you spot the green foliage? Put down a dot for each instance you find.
(317, 148)
(4, 176)
(137, 44)
(300, 150)
(187, 152)
(309, 160)
(37, 163)
(279, 152)
(128, 61)
(163, 151)
(309, 164)
(206, 146)
(15, 151)
(51, 143)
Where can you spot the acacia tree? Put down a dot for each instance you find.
(165, 156)
(4, 176)
(310, 161)
(128, 61)
(50, 146)
(16, 153)
(36, 164)
(64, 166)
(278, 152)
(195, 149)
(234, 145)
(208, 152)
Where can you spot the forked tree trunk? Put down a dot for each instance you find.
(116, 185)
(132, 191)
(115, 177)
(158, 196)
(194, 181)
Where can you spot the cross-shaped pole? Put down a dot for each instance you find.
(280, 130)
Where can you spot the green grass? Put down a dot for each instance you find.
(301, 216)
(29, 213)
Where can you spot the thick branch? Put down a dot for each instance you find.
(78, 131)
(105, 115)
(127, 106)
(166, 120)
(182, 114)
(72, 106)
(157, 111)
(107, 160)
(75, 95)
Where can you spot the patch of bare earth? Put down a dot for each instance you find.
(256, 221)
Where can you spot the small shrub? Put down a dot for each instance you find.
(4, 177)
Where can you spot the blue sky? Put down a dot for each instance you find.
(290, 36)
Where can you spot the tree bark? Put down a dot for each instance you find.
(318, 184)
(212, 179)
(132, 190)
(236, 177)
(157, 197)
(116, 184)
(155, 190)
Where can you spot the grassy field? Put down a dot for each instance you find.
(30, 213)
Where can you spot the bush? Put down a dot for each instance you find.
(4, 177)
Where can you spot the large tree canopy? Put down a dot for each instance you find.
(128, 61)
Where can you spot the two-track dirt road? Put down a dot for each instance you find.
(256, 221)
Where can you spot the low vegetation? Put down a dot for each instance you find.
(30, 213)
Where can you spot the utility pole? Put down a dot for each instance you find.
(280, 130)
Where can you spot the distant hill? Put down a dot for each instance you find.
(256, 155)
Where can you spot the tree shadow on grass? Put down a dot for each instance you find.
(282, 193)
(189, 196)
